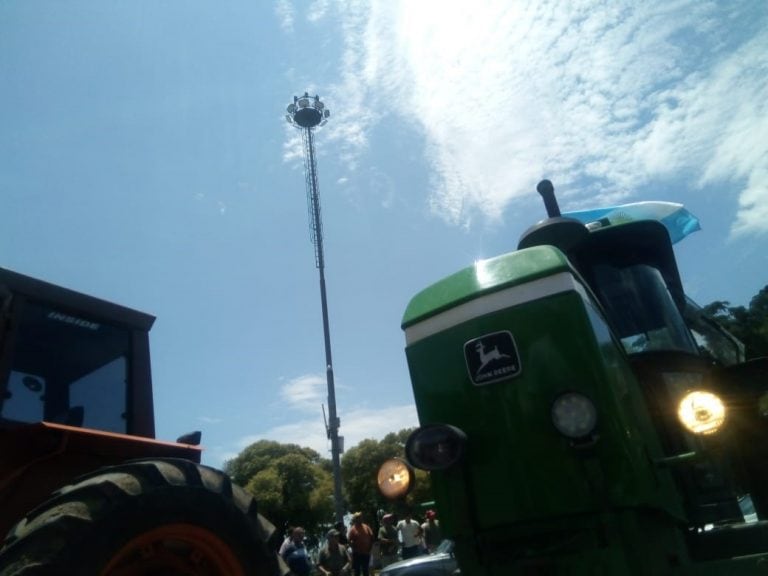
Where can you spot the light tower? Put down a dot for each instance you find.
(306, 113)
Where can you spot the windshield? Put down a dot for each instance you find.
(712, 339)
(641, 309)
(67, 369)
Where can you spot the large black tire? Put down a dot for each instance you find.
(141, 518)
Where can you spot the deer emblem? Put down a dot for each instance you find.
(487, 357)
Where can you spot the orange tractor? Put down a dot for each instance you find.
(84, 486)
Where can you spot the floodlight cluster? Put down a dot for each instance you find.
(307, 112)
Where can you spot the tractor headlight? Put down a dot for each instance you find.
(701, 412)
(574, 415)
(435, 447)
(395, 478)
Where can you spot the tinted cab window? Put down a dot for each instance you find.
(65, 368)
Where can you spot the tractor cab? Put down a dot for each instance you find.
(631, 269)
(70, 359)
(75, 390)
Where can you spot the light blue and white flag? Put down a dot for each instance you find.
(678, 221)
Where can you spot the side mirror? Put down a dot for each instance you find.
(191, 438)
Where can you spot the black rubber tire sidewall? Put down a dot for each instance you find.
(85, 547)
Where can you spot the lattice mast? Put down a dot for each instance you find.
(306, 113)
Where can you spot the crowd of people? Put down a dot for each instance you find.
(355, 551)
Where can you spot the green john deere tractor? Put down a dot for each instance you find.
(85, 489)
(579, 415)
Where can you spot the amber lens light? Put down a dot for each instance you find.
(395, 478)
(701, 412)
(435, 447)
(574, 415)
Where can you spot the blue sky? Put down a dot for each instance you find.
(145, 159)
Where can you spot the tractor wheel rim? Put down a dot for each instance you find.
(175, 549)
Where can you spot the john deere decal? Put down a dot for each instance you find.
(491, 358)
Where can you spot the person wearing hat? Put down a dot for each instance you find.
(342, 533)
(334, 559)
(388, 540)
(360, 538)
(431, 531)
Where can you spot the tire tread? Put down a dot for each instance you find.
(75, 512)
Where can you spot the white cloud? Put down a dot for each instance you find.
(362, 423)
(285, 14)
(302, 397)
(601, 98)
(753, 205)
(305, 393)
(317, 10)
(293, 148)
(208, 420)
(356, 425)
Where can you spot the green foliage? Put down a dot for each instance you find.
(321, 498)
(291, 484)
(360, 466)
(294, 486)
(269, 487)
(748, 324)
(261, 455)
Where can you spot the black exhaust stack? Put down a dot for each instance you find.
(565, 233)
(547, 192)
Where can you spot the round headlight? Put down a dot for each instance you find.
(701, 412)
(574, 415)
(435, 447)
(396, 478)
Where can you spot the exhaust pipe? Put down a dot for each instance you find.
(547, 191)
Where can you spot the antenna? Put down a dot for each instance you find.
(325, 422)
(307, 113)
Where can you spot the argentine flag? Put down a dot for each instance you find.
(678, 221)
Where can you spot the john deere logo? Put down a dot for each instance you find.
(491, 358)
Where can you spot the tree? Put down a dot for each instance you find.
(291, 484)
(294, 485)
(261, 455)
(360, 466)
(269, 487)
(750, 325)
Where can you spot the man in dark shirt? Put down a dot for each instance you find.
(295, 554)
(334, 558)
(342, 530)
(388, 541)
(431, 531)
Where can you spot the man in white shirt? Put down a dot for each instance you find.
(410, 535)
